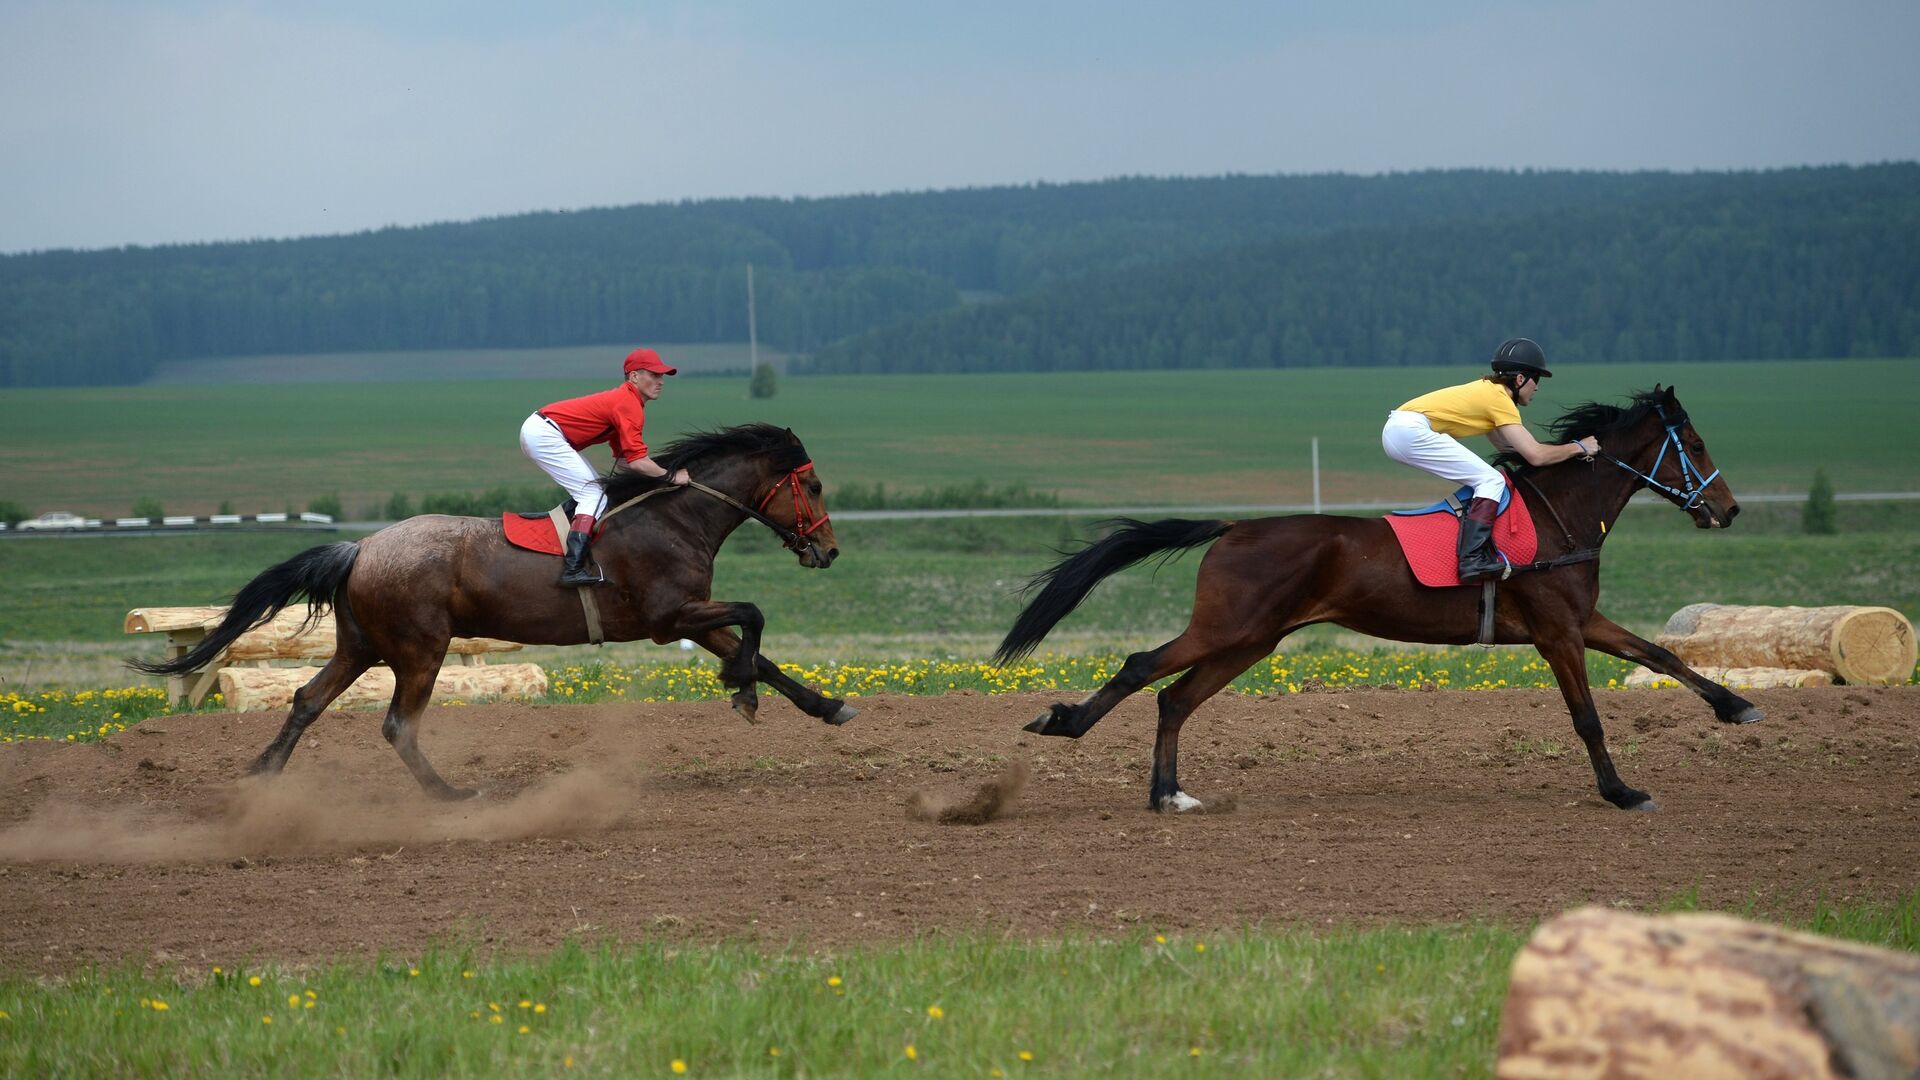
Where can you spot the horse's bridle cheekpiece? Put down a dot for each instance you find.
(1689, 472)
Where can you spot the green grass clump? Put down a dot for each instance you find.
(1392, 1001)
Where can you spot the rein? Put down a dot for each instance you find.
(793, 541)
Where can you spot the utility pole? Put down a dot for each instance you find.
(1316, 474)
(753, 333)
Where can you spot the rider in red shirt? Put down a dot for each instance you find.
(555, 434)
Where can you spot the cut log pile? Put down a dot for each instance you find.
(247, 682)
(1598, 992)
(1788, 646)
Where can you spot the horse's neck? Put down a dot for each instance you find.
(714, 518)
(1589, 496)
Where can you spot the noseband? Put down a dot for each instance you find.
(807, 516)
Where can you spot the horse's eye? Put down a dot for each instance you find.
(1699, 447)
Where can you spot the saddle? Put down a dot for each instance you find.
(1429, 536)
(541, 532)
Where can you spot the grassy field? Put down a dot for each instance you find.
(1352, 1002)
(1139, 438)
(937, 590)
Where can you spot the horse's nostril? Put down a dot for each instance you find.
(1733, 511)
(832, 554)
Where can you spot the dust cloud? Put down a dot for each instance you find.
(315, 811)
(986, 802)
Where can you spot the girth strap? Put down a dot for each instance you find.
(1486, 613)
(562, 525)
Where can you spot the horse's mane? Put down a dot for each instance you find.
(1597, 418)
(745, 439)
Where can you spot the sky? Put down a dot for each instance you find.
(178, 121)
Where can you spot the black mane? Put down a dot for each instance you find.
(1597, 418)
(746, 439)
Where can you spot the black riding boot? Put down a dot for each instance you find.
(1477, 557)
(574, 571)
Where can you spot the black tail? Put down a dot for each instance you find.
(1068, 581)
(316, 573)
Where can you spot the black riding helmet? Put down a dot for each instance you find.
(1521, 355)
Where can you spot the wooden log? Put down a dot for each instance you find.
(1602, 993)
(1859, 644)
(280, 638)
(254, 689)
(1743, 677)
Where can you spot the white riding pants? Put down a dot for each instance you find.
(1409, 439)
(541, 440)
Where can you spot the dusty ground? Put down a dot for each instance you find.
(622, 821)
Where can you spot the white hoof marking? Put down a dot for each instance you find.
(1180, 802)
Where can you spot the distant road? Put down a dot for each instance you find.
(929, 515)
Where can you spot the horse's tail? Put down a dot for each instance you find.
(1065, 584)
(317, 573)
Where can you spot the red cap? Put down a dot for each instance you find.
(646, 360)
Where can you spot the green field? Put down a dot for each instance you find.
(1104, 439)
(939, 589)
(1395, 1001)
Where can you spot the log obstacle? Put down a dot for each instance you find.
(1598, 992)
(1857, 645)
(1743, 678)
(283, 638)
(250, 689)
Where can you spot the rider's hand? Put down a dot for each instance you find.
(1589, 445)
(679, 478)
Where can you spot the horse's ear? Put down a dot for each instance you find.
(1668, 395)
(795, 439)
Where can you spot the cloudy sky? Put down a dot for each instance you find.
(185, 120)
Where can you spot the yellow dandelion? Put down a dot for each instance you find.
(526, 1003)
(524, 1029)
(1159, 939)
(567, 1062)
(936, 1012)
(266, 1019)
(540, 1007)
(159, 1006)
(253, 980)
(293, 1000)
(466, 974)
(216, 969)
(311, 994)
(1195, 1052)
(1199, 946)
(833, 980)
(413, 973)
(912, 1054)
(773, 1051)
(496, 1019)
(1026, 1055)
(679, 1066)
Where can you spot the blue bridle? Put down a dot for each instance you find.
(1689, 472)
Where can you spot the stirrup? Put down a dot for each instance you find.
(579, 580)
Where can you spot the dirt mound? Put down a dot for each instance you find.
(631, 820)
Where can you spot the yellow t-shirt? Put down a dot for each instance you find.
(1473, 408)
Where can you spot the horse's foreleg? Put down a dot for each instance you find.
(1177, 702)
(308, 703)
(413, 688)
(700, 619)
(724, 643)
(1606, 636)
(1141, 669)
(1565, 653)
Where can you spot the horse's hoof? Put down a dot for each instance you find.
(1180, 803)
(1645, 806)
(1749, 715)
(749, 713)
(843, 714)
(1039, 726)
(454, 794)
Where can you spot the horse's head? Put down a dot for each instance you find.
(1667, 452)
(794, 500)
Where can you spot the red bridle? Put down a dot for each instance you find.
(804, 510)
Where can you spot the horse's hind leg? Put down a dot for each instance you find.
(1177, 702)
(1566, 654)
(1607, 636)
(308, 703)
(1141, 669)
(413, 688)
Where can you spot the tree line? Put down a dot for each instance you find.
(1804, 265)
(890, 282)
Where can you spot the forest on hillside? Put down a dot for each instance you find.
(1230, 271)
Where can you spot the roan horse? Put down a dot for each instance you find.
(1268, 577)
(402, 593)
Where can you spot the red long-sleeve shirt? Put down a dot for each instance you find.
(611, 416)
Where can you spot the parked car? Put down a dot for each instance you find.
(54, 521)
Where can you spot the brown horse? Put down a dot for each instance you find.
(402, 593)
(1271, 576)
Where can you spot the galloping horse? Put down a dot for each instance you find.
(1268, 577)
(402, 593)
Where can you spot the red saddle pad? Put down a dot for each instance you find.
(1431, 541)
(534, 534)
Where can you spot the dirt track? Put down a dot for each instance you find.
(630, 820)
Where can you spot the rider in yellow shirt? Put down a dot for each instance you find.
(1424, 433)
